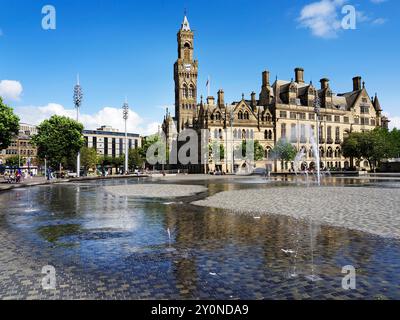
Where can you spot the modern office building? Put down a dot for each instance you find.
(109, 141)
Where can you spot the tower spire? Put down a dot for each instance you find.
(185, 24)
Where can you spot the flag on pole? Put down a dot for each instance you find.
(208, 86)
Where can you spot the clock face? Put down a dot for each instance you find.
(188, 67)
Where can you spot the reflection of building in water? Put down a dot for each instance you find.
(391, 165)
(283, 109)
(110, 142)
(185, 263)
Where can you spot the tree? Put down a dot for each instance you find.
(58, 139)
(214, 148)
(89, 158)
(256, 153)
(159, 152)
(9, 125)
(351, 147)
(118, 162)
(394, 137)
(375, 145)
(13, 161)
(283, 151)
(105, 161)
(372, 146)
(147, 143)
(135, 159)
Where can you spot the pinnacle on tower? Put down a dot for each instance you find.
(185, 24)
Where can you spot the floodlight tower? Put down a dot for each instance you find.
(125, 109)
(78, 97)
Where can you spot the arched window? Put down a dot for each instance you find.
(329, 133)
(270, 134)
(321, 152)
(267, 152)
(311, 153)
(329, 153)
(304, 148)
(266, 135)
(246, 115)
(337, 135)
(191, 91)
(338, 153)
(185, 91)
(240, 115)
(268, 118)
(243, 134)
(221, 136)
(321, 131)
(186, 54)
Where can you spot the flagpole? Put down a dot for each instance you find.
(208, 86)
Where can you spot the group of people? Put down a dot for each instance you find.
(15, 177)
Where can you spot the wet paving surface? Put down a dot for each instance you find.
(109, 247)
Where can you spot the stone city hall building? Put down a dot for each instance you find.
(282, 110)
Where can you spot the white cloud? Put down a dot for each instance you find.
(362, 17)
(379, 21)
(107, 116)
(322, 18)
(394, 122)
(10, 90)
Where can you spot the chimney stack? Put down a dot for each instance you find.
(221, 102)
(265, 79)
(210, 100)
(299, 73)
(253, 100)
(357, 83)
(324, 83)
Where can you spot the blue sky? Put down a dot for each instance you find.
(127, 48)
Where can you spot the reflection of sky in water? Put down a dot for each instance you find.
(81, 223)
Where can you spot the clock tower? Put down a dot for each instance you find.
(185, 76)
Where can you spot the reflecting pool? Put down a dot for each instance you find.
(110, 247)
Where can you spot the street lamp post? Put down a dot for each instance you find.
(45, 167)
(317, 110)
(78, 97)
(125, 108)
(19, 153)
(232, 117)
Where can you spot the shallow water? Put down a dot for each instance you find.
(121, 246)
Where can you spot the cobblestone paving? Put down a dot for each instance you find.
(156, 190)
(371, 210)
(107, 247)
